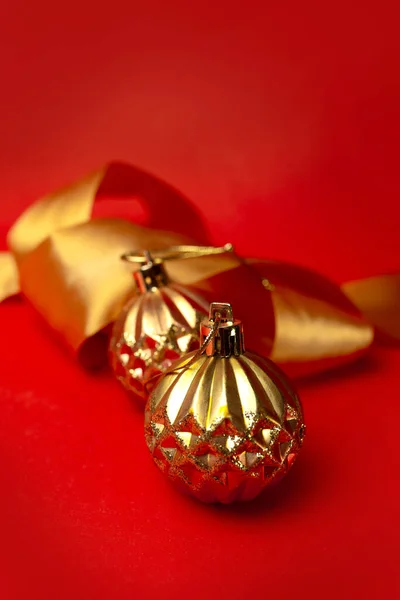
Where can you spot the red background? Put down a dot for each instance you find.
(280, 121)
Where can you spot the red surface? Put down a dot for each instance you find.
(281, 122)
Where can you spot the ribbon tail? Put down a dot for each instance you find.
(9, 279)
(378, 298)
(316, 325)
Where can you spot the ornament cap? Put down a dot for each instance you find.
(151, 275)
(224, 331)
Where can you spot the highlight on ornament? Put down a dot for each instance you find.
(160, 323)
(223, 423)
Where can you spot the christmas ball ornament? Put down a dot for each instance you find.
(157, 326)
(223, 423)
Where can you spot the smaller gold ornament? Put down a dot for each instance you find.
(160, 323)
(223, 424)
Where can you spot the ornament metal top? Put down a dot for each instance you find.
(160, 323)
(223, 423)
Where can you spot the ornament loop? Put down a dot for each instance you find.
(173, 253)
(221, 335)
(223, 309)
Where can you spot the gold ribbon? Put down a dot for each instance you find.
(64, 258)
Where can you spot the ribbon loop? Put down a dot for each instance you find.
(66, 261)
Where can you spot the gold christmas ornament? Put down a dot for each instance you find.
(223, 423)
(160, 323)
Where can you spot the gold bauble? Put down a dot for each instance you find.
(224, 424)
(157, 326)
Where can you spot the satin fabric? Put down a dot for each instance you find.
(65, 261)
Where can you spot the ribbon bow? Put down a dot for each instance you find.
(64, 258)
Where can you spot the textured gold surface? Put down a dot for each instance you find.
(224, 428)
(154, 330)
